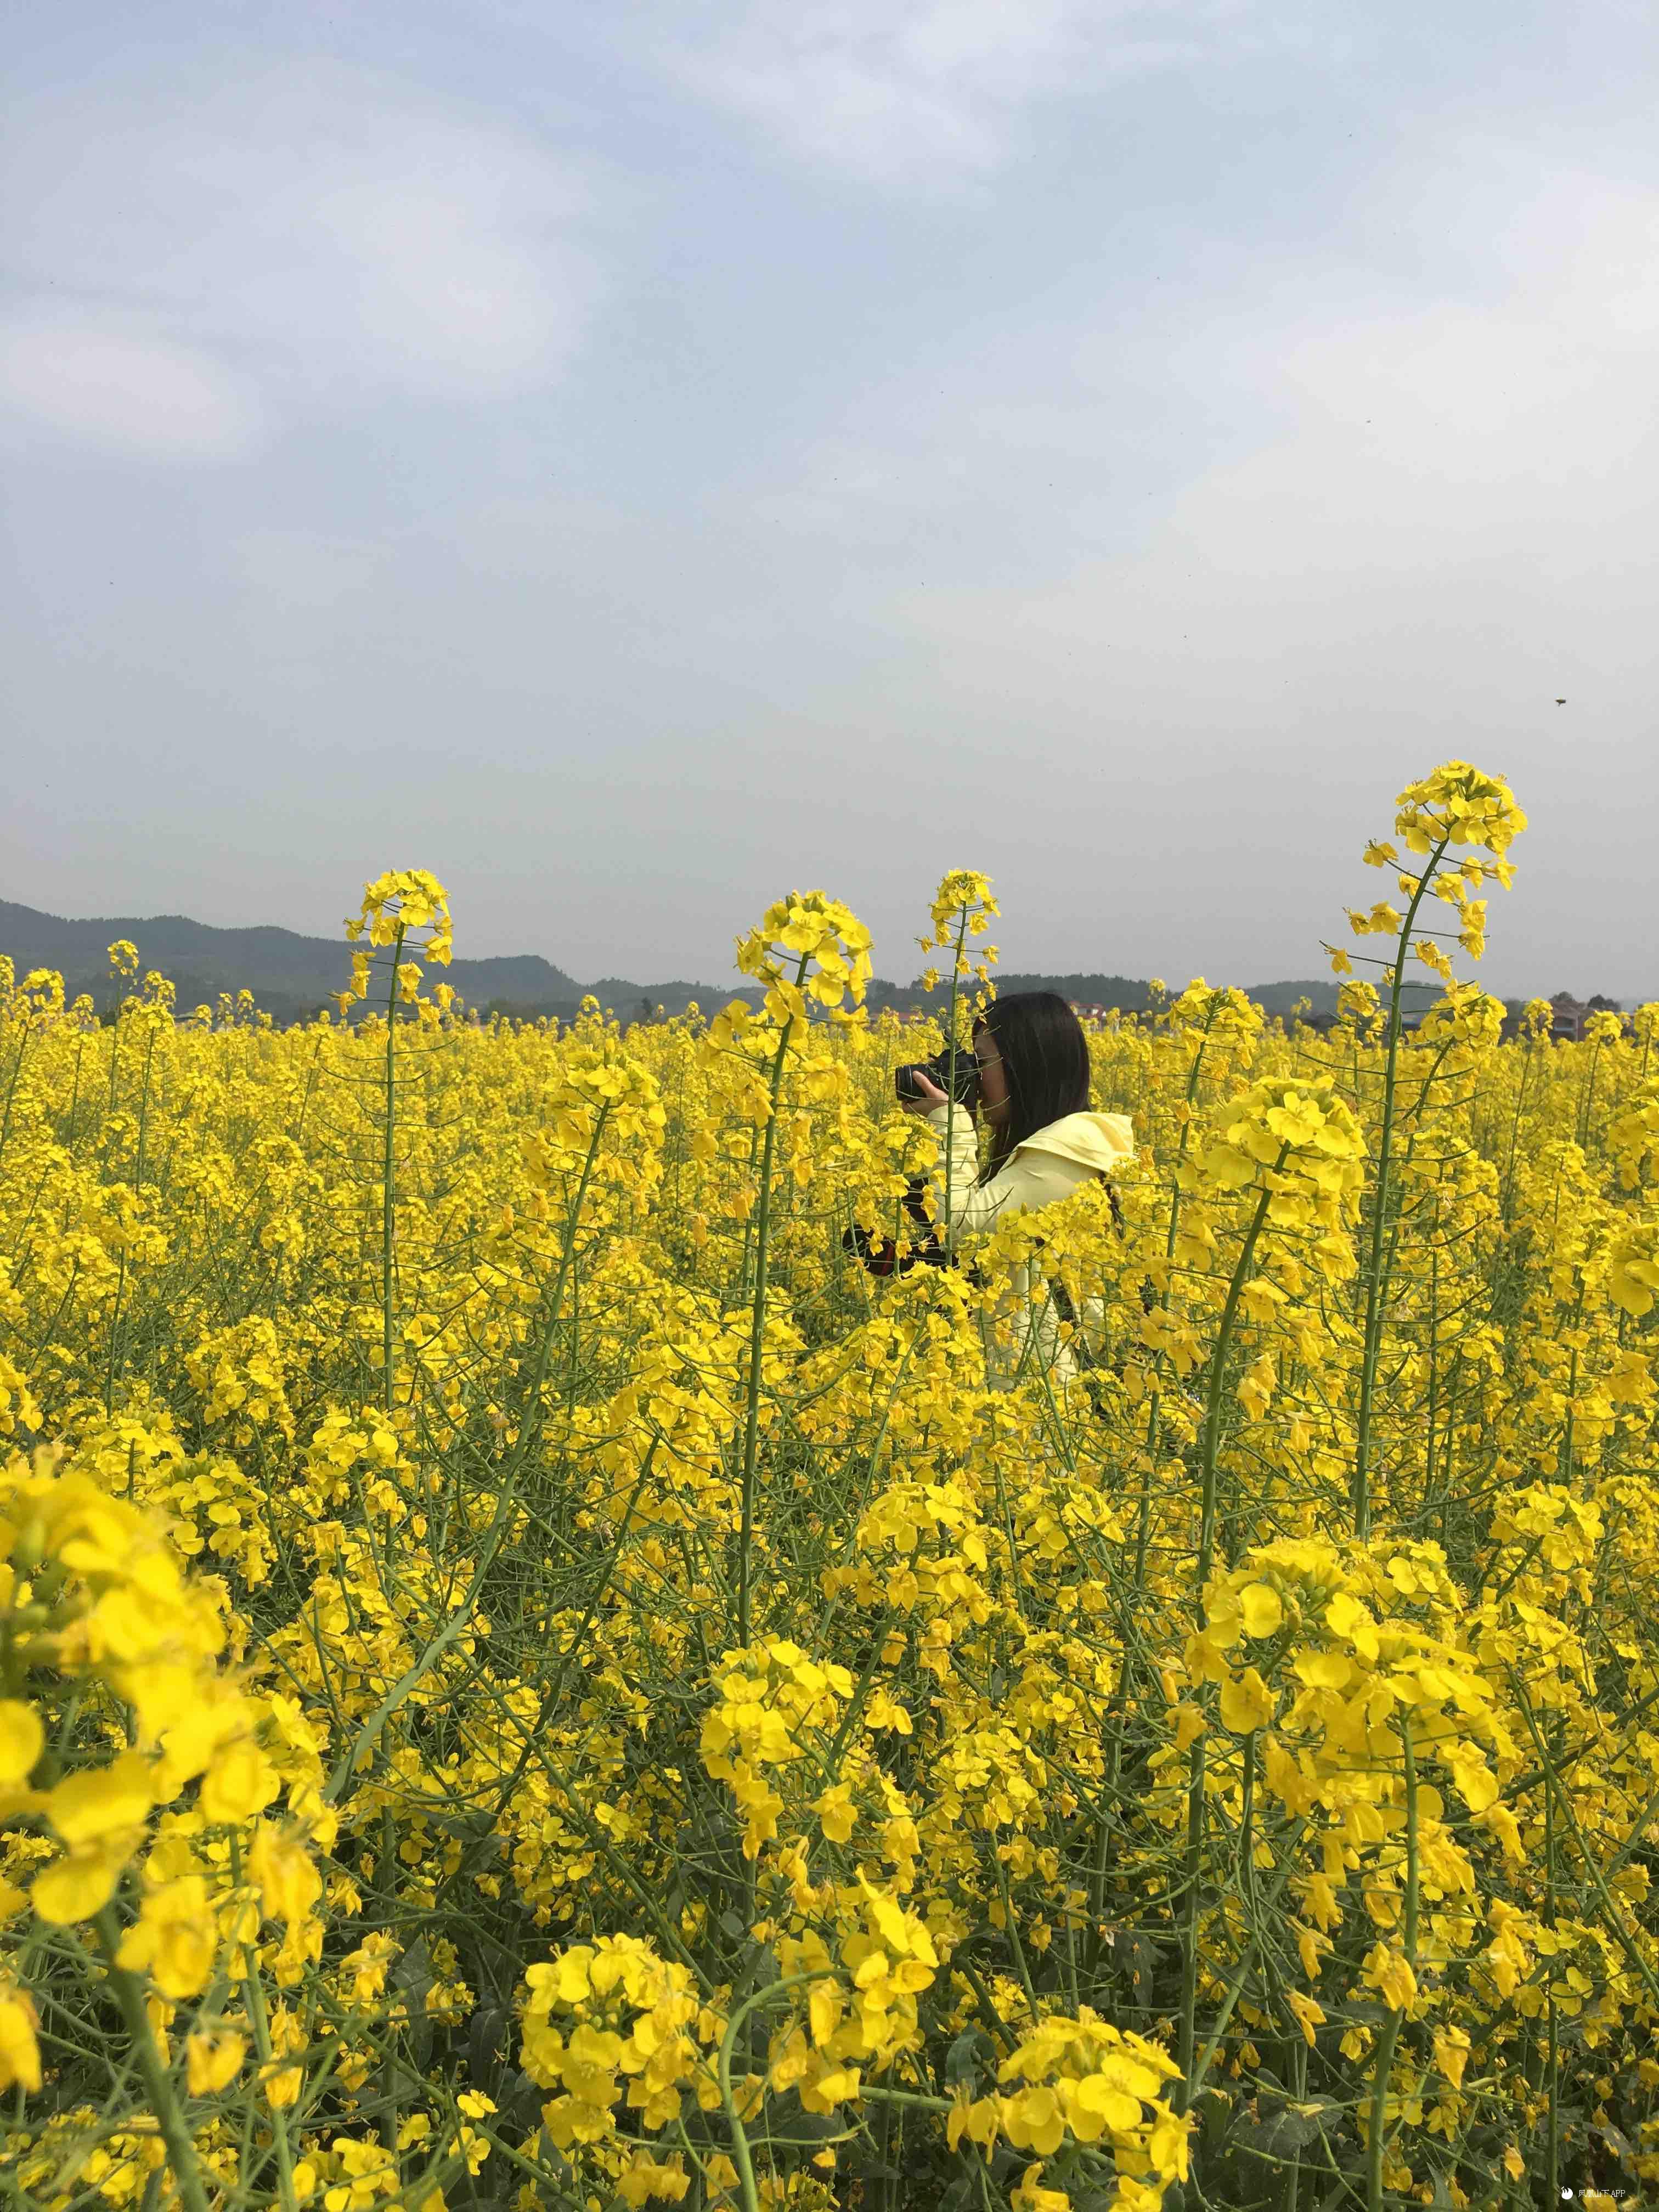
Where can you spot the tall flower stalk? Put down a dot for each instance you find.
(1457, 805)
(962, 909)
(751, 1393)
(404, 915)
(807, 948)
(1193, 1867)
(1292, 1153)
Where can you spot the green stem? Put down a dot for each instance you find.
(253, 1996)
(555, 1688)
(1011, 1924)
(1506, 1194)
(950, 1069)
(1390, 2035)
(399, 1694)
(757, 1321)
(742, 2156)
(532, 1415)
(1614, 1920)
(114, 1064)
(388, 1200)
(11, 1088)
(1195, 1854)
(1589, 1093)
(111, 1365)
(144, 1113)
(1144, 1521)
(157, 2078)
(1235, 1991)
(1212, 1448)
(1376, 1273)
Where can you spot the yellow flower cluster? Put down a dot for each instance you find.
(629, 2034)
(405, 912)
(1457, 805)
(1086, 2082)
(824, 939)
(92, 1596)
(102, 1640)
(962, 909)
(765, 1698)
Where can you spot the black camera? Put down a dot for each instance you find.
(956, 1074)
(881, 1255)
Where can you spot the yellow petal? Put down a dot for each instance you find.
(22, 1740)
(1263, 1613)
(19, 2053)
(213, 2058)
(101, 1801)
(240, 1783)
(1246, 1703)
(82, 1883)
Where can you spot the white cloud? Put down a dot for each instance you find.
(1350, 426)
(312, 235)
(909, 91)
(1422, 513)
(109, 381)
(1536, 372)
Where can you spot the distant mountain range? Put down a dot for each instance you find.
(291, 975)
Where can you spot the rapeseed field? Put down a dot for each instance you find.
(531, 1677)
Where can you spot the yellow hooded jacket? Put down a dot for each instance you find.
(1044, 1168)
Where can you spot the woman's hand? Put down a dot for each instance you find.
(930, 1098)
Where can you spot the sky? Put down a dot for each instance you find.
(636, 461)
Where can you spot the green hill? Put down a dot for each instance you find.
(291, 975)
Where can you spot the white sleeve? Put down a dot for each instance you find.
(1030, 1179)
(971, 1205)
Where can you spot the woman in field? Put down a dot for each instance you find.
(1044, 1143)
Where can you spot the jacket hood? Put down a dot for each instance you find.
(1101, 1141)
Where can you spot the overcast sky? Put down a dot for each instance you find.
(633, 460)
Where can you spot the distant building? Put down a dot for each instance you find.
(1568, 1016)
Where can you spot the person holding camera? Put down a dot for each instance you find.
(1027, 1071)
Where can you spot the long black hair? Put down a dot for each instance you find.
(1045, 1064)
